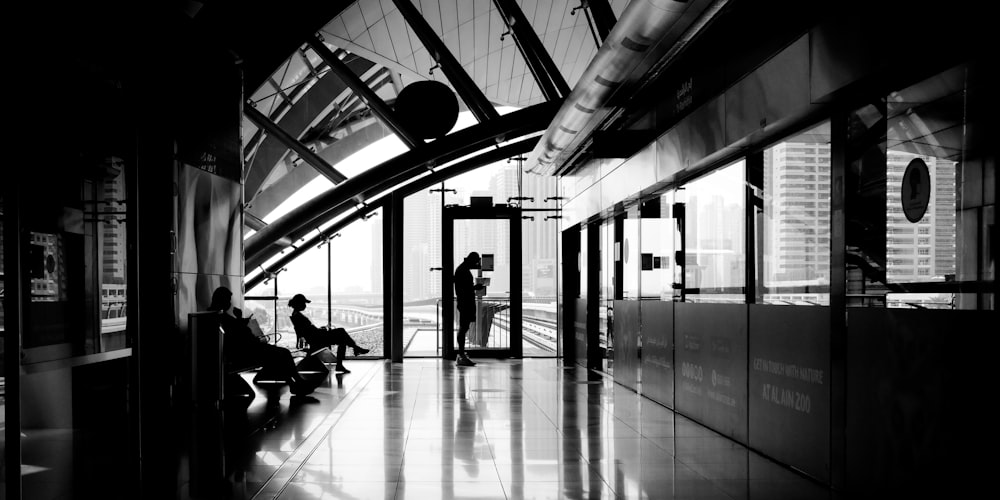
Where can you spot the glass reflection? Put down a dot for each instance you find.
(916, 198)
(343, 279)
(796, 219)
(714, 233)
(660, 240)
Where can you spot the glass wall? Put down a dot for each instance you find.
(539, 232)
(660, 240)
(3, 355)
(630, 246)
(714, 232)
(794, 244)
(921, 196)
(74, 406)
(422, 271)
(491, 239)
(605, 310)
(343, 280)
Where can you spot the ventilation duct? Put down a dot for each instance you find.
(645, 32)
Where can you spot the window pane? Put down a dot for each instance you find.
(659, 241)
(919, 198)
(796, 219)
(713, 233)
(354, 301)
(111, 233)
(630, 254)
(421, 285)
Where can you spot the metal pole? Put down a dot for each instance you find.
(329, 286)
(275, 308)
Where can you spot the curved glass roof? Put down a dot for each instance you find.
(309, 101)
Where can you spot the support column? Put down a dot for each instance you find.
(395, 291)
(12, 335)
(838, 299)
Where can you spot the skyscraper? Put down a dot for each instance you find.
(922, 250)
(421, 246)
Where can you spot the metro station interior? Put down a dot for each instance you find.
(730, 249)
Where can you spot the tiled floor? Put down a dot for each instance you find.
(532, 429)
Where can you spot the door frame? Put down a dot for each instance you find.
(449, 215)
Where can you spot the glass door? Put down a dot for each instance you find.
(490, 232)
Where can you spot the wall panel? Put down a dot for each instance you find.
(625, 343)
(789, 391)
(919, 383)
(711, 360)
(580, 331)
(657, 361)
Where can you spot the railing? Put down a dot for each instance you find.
(363, 323)
(492, 327)
(490, 330)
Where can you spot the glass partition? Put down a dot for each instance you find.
(538, 263)
(630, 254)
(795, 253)
(342, 278)
(422, 271)
(605, 308)
(660, 240)
(714, 232)
(921, 194)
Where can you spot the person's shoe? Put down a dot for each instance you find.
(360, 351)
(301, 387)
(464, 360)
(341, 369)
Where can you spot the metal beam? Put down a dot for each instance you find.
(550, 80)
(302, 219)
(474, 98)
(603, 17)
(364, 92)
(292, 143)
(486, 158)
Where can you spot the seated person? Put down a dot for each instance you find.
(322, 337)
(240, 345)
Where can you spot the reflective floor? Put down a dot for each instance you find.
(503, 429)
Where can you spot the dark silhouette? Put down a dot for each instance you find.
(242, 347)
(465, 298)
(318, 338)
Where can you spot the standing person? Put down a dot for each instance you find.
(465, 297)
(241, 345)
(322, 337)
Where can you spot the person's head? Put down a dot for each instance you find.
(473, 260)
(222, 299)
(298, 302)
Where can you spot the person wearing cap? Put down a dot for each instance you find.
(465, 297)
(241, 345)
(322, 337)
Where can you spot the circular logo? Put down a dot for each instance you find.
(916, 192)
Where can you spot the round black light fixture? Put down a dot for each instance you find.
(428, 109)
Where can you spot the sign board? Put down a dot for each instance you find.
(487, 262)
(916, 190)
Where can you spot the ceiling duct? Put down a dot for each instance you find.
(645, 33)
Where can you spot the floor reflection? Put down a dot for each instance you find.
(503, 429)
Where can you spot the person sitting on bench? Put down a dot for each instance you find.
(318, 338)
(240, 345)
